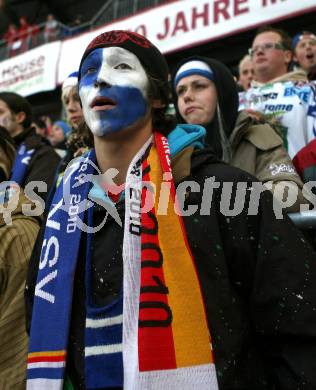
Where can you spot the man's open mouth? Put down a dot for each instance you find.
(102, 103)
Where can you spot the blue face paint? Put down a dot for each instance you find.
(113, 90)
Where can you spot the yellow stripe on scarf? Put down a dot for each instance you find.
(189, 325)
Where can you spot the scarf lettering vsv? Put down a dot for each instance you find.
(54, 287)
(21, 164)
(165, 341)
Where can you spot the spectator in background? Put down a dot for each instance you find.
(304, 48)
(81, 138)
(76, 27)
(7, 154)
(17, 236)
(205, 93)
(71, 101)
(58, 136)
(271, 55)
(36, 160)
(246, 72)
(51, 28)
(13, 40)
(282, 96)
(25, 34)
(40, 127)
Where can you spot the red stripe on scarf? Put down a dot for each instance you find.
(46, 359)
(155, 338)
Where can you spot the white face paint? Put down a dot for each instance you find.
(113, 90)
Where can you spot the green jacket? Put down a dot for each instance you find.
(17, 240)
(258, 149)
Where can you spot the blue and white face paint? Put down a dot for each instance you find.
(113, 90)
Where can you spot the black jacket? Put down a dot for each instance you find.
(44, 161)
(257, 275)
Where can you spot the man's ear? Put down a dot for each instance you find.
(157, 104)
(20, 117)
(288, 55)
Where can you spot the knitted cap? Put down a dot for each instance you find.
(64, 126)
(299, 36)
(150, 57)
(193, 68)
(71, 80)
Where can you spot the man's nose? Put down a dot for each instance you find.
(101, 82)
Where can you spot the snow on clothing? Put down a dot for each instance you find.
(256, 274)
(17, 242)
(251, 145)
(44, 161)
(290, 99)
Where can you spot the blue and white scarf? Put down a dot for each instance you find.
(54, 290)
(21, 164)
(54, 287)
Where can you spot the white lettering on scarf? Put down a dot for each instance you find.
(46, 249)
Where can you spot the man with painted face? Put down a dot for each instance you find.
(148, 291)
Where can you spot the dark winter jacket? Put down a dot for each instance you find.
(257, 276)
(44, 161)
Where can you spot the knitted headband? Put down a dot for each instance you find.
(71, 80)
(150, 57)
(193, 67)
(298, 37)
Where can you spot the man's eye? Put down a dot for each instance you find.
(122, 66)
(90, 70)
(180, 91)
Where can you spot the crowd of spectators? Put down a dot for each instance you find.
(24, 36)
(264, 124)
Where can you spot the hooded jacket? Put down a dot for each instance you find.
(44, 161)
(17, 239)
(252, 145)
(7, 154)
(252, 268)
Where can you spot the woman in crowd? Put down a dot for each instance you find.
(205, 93)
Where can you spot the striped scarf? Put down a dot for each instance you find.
(166, 340)
(21, 164)
(163, 340)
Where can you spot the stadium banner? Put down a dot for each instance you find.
(183, 23)
(31, 72)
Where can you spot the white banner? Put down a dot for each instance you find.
(186, 23)
(31, 72)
